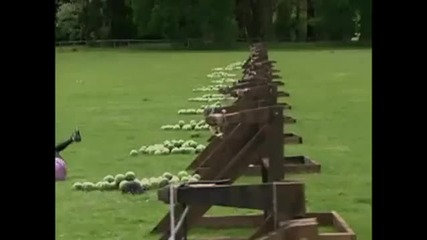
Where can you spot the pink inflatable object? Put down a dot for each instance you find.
(60, 169)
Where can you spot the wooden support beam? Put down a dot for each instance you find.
(255, 78)
(275, 76)
(256, 91)
(210, 148)
(250, 116)
(307, 225)
(282, 94)
(291, 165)
(252, 104)
(288, 161)
(266, 227)
(291, 138)
(255, 196)
(236, 166)
(263, 62)
(289, 120)
(300, 229)
(264, 69)
(216, 157)
(249, 85)
(285, 106)
(253, 83)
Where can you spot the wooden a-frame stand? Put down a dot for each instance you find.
(250, 136)
(259, 87)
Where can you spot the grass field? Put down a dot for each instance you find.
(120, 98)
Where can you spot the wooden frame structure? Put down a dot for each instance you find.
(249, 136)
(259, 87)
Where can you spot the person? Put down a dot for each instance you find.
(60, 165)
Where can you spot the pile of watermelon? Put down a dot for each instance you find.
(182, 125)
(129, 183)
(170, 147)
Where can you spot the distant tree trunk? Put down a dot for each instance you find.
(311, 31)
(302, 20)
(284, 20)
(120, 18)
(267, 27)
(240, 14)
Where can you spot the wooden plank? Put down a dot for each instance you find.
(290, 196)
(340, 224)
(259, 91)
(334, 220)
(292, 138)
(285, 106)
(250, 116)
(297, 159)
(252, 221)
(301, 229)
(323, 218)
(291, 164)
(275, 151)
(282, 94)
(219, 155)
(289, 120)
(201, 157)
(266, 227)
(236, 166)
(287, 168)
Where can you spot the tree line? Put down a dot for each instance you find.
(218, 22)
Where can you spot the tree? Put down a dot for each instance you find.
(142, 11)
(119, 15)
(335, 19)
(67, 25)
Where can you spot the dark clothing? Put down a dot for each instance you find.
(62, 146)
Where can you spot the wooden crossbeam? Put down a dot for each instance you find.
(249, 84)
(289, 120)
(250, 116)
(282, 94)
(266, 226)
(256, 92)
(291, 138)
(285, 106)
(255, 78)
(263, 62)
(253, 196)
(218, 146)
(260, 70)
(288, 168)
(289, 196)
(295, 229)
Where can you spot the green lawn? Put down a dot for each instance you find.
(119, 99)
